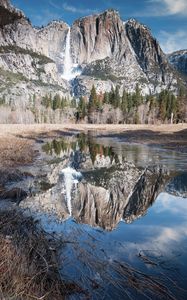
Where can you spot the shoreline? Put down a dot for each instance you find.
(18, 141)
(118, 128)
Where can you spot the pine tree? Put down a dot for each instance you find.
(56, 102)
(106, 98)
(92, 105)
(93, 98)
(63, 102)
(137, 97)
(136, 118)
(112, 96)
(152, 102)
(129, 102)
(82, 109)
(181, 105)
(73, 103)
(163, 105)
(117, 97)
(124, 101)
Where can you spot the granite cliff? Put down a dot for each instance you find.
(179, 61)
(100, 49)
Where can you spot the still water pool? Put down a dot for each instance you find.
(121, 212)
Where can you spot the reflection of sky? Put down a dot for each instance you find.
(172, 204)
(163, 229)
(161, 233)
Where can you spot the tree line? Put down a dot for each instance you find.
(166, 105)
(163, 106)
(57, 102)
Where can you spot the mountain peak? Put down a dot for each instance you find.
(178, 60)
(8, 13)
(136, 24)
(111, 11)
(5, 3)
(55, 24)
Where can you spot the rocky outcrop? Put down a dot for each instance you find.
(97, 37)
(179, 61)
(149, 55)
(124, 53)
(30, 62)
(18, 31)
(8, 14)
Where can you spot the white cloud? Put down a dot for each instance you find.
(53, 4)
(175, 6)
(70, 8)
(173, 41)
(74, 9)
(159, 8)
(167, 203)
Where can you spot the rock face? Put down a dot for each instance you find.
(179, 60)
(99, 36)
(9, 14)
(29, 60)
(108, 52)
(123, 53)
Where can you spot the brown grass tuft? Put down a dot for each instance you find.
(28, 261)
(16, 152)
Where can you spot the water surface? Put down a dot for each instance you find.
(123, 210)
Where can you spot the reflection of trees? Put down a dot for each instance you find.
(47, 148)
(58, 146)
(85, 143)
(82, 141)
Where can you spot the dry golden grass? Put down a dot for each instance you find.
(15, 151)
(39, 128)
(28, 261)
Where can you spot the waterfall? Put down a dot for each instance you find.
(67, 74)
(70, 71)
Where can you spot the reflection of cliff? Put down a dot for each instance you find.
(144, 193)
(103, 197)
(127, 195)
(178, 186)
(109, 191)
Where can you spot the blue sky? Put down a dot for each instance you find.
(167, 19)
